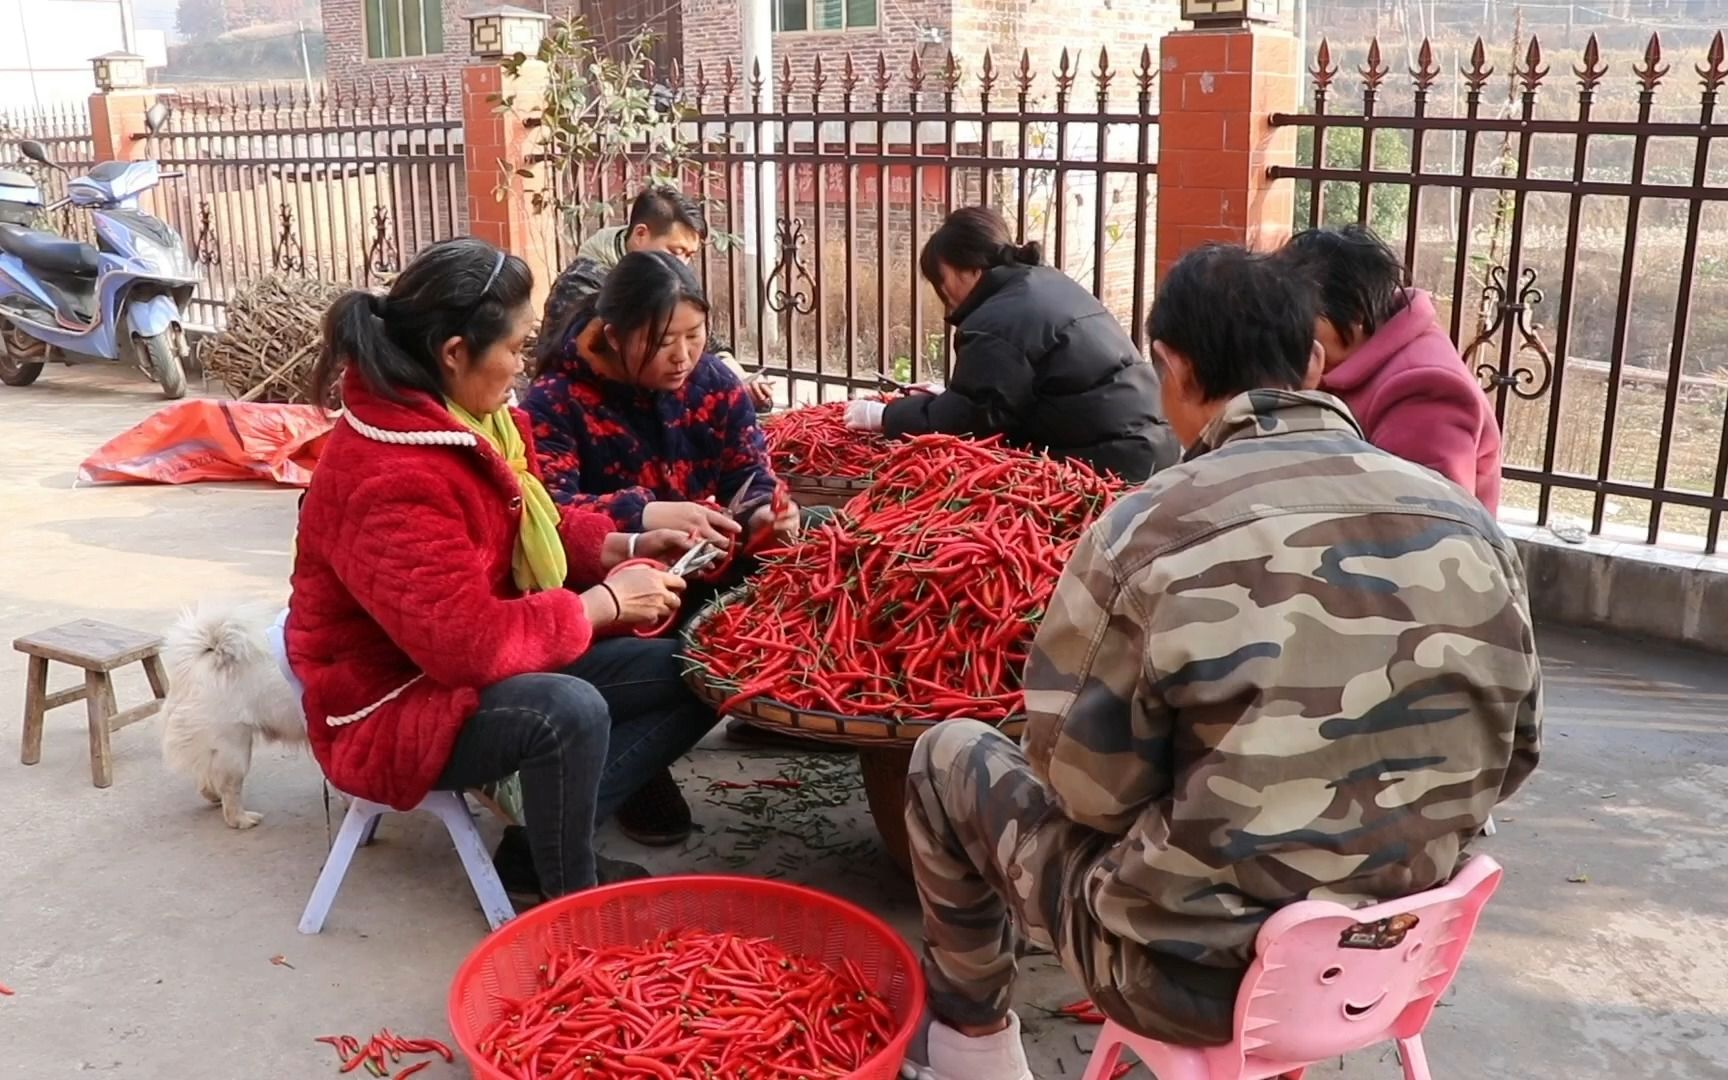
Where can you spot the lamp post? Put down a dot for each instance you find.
(119, 70)
(504, 31)
(1214, 14)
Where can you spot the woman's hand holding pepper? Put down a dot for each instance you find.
(785, 524)
(707, 523)
(667, 545)
(634, 596)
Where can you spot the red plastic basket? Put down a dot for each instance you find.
(803, 921)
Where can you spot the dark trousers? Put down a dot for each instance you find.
(584, 739)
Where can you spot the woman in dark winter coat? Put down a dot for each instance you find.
(1037, 359)
(451, 624)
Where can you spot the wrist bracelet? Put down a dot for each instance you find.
(617, 608)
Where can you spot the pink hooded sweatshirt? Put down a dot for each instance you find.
(1413, 397)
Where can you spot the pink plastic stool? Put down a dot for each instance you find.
(1328, 980)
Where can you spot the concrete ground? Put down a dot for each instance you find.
(138, 932)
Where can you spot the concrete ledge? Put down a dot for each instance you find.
(1680, 597)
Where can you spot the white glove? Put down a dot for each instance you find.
(865, 415)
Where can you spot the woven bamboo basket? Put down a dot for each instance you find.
(835, 491)
(884, 745)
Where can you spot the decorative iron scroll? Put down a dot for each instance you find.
(1525, 379)
(798, 292)
(205, 250)
(381, 254)
(285, 251)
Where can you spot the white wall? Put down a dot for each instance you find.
(46, 46)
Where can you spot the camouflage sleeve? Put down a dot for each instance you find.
(1527, 717)
(1094, 733)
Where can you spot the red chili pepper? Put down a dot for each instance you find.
(686, 1005)
(921, 602)
(412, 1069)
(815, 441)
(6, 991)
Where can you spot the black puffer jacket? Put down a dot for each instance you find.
(1039, 360)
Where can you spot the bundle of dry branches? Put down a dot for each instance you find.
(272, 338)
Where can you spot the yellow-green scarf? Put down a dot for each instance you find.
(539, 563)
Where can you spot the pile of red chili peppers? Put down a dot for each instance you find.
(815, 441)
(920, 602)
(384, 1051)
(689, 1005)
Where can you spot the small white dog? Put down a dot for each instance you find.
(225, 691)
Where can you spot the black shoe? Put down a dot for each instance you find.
(656, 815)
(514, 862)
(612, 871)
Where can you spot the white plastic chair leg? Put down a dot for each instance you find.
(361, 820)
(452, 809)
(371, 832)
(1488, 827)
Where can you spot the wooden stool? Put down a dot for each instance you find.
(98, 648)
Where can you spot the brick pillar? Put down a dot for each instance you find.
(1219, 89)
(500, 206)
(117, 123)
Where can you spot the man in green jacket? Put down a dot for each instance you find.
(1291, 665)
(661, 219)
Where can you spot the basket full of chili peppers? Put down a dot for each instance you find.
(918, 605)
(692, 978)
(824, 462)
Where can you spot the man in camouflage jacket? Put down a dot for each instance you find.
(1292, 666)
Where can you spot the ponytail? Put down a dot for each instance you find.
(462, 288)
(975, 238)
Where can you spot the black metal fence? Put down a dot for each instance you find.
(339, 182)
(64, 131)
(816, 280)
(1574, 243)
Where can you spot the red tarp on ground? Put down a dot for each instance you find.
(195, 441)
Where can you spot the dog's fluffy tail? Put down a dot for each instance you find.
(213, 638)
(206, 649)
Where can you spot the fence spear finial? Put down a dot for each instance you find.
(1653, 70)
(1716, 72)
(1591, 70)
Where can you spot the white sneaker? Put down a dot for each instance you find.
(954, 1056)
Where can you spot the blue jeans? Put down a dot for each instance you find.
(584, 740)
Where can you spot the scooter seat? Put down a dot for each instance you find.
(49, 253)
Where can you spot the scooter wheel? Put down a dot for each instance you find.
(17, 372)
(157, 354)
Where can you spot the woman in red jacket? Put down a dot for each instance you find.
(430, 622)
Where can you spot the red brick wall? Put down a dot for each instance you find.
(345, 40)
(713, 34)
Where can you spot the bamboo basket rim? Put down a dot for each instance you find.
(816, 724)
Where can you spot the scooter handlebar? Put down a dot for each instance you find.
(171, 176)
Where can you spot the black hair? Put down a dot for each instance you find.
(641, 293)
(974, 238)
(463, 288)
(662, 207)
(1360, 281)
(1242, 320)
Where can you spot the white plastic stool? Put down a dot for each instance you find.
(362, 822)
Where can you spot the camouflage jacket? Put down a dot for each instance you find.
(1291, 666)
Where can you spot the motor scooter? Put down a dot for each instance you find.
(124, 298)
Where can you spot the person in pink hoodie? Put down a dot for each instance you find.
(1392, 364)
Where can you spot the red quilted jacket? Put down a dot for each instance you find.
(404, 607)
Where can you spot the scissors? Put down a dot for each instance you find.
(698, 558)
